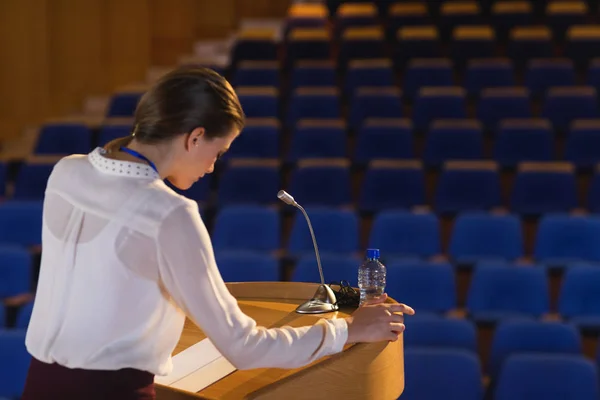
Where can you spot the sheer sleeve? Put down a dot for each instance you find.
(190, 274)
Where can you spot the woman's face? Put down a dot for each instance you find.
(197, 156)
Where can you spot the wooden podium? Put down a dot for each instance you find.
(362, 371)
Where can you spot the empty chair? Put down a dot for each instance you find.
(582, 43)
(542, 74)
(469, 42)
(259, 102)
(256, 73)
(509, 14)
(114, 131)
(438, 103)
(449, 374)
(481, 237)
(519, 140)
(15, 271)
(439, 332)
(402, 234)
(488, 73)
(527, 42)
(428, 287)
(313, 73)
(261, 139)
(361, 43)
(247, 267)
(32, 178)
(548, 377)
(593, 196)
(384, 138)
(15, 362)
(453, 140)
(563, 105)
(467, 186)
(64, 138)
(372, 73)
(21, 223)
(308, 44)
(351, 15)
(454, 14)
(541, 188)
(496, 104)
(247, 228)
(422, 72)
(123, 104)
(406, 14)
(389, 185)
(582, 147)
(500, 292)
(526, 336)
(336, 268)
(311, 102)
(325, 182)
(306, 15)
(579, 298)
(417, 42)
(254, 44)
(561, 14)
(336, 231)
(374, 102)
(24, 315)
(318, 139)
(248, 181)
(593, 74)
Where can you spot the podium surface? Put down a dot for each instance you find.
(362, 371)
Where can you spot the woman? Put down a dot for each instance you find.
(125, 259)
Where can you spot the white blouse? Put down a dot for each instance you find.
(124, 260)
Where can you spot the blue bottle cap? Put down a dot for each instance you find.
(373, 253)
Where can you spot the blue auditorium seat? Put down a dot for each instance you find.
(548, 377)
(64, 138)
(500, 292)
(519, 140)
(324, 182)
(336, 232)
(2, 318)
(579, 298)
(256, 73)
(259, 102)
(541, 188)
(259, 139)
(593, 196)
(542, 74)
(21, 223)
(247, 228)
(254, 45)
(31, 180)
(313, 73)
(417, 42)
(402, 234)
(24, 315)
(449, 374)
(308, 44)
(389, 185)
(438, 103)
(427, 287)
(15, 271)
(3, 173)
(453, 139)
(361, 43)
(406, 14)
(249, 182)
(593, 74)
(313, 103)
(318, 139)
(354, 15)
(374, 102)
(582, 146)
(527, 336)
(422, 72)
(467, 186)
(488, 73)
(529, 42)
(456, 14)
(372, 73)
(336, 268)
(506, 15)
(472, 42)
(563, 105)
(384, 138)
(582, 43)
(561, 15)
(123, 104)
(440, 332)
(247, 267)
(15, 363)
(112, 132)
(497, 104)
(562, 239)
(480, 237)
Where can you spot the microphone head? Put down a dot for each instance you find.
(286, 197)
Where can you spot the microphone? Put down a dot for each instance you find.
(324, 299)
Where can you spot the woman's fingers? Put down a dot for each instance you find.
(403, 308)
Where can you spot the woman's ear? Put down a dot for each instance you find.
(193, 139)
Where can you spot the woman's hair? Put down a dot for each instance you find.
(181, 101)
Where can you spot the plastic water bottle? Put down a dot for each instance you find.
(371, 276)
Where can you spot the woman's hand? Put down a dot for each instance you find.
(376, 321)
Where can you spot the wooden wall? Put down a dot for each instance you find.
(54, 53)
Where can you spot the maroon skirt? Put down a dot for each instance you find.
(53, 381)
